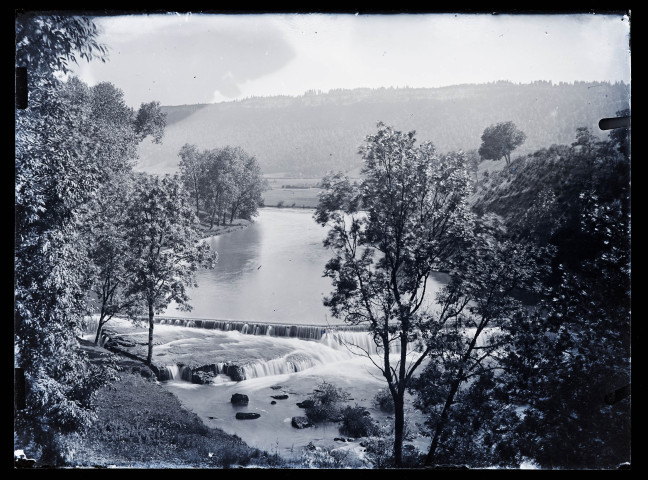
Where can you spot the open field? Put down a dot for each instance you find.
(292, 197)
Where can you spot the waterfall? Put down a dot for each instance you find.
(175, 372)
(313, 345)
(304, 332)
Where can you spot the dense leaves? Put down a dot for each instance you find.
(500, 140)
(569, 369)
(55, 175)
(406, 219)
(225, 183)
(165, 249)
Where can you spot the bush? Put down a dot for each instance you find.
(326, 400)
(357, 422)
(317, 457)
(384, 401)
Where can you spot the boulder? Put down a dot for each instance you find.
(306, 404)
(279, 397)
(301, 422)
(273, 402)
(339, 439)
(275, 387)
(247, 415)
(235, 372)
(239, 399)
(202, 378)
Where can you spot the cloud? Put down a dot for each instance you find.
(166, 57)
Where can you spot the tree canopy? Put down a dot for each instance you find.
(404, 221)
(500, 140)
(165, 248)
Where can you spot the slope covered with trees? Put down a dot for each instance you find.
(318, 132)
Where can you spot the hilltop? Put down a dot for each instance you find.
(308, 135)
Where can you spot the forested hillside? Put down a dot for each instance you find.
(318, 132)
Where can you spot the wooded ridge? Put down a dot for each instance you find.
(309, 135)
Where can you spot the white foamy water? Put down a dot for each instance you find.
(273, 431)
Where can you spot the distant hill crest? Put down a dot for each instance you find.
(310, 134)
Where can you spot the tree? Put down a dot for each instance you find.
(568, 368)
(571, 364)
(55, 175)
(165, 247)
(478, 320)
(106, 235)
(404, 220)
(620, 137)
(192, 169)
(500, 140)
(227, 181)
(250, 185)
(46, 44)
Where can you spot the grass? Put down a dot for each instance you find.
(292, 197)
(141, 425)
(237, 224)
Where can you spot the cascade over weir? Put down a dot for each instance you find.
(314, 345)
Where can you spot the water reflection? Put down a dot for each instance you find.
(270, 271)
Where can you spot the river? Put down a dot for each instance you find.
(270, 271)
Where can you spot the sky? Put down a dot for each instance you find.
(183, 58)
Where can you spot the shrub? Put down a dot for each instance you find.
(384, 401)
(357, 422)
(317, 457)
(326, 400)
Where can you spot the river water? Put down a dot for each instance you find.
(270, 271)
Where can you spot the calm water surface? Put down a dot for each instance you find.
(270, 271)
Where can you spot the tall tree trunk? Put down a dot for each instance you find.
(150, 336)
(429, 459)
(399, 429)
(99, 329)
(232, 213)
(211, 220)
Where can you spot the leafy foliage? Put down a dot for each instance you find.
(55, 175)
(326, 403)
(475, 329)
(166, 250)
(226, 182)
(500, 140)
(406, 219)
(357, 422)
(570, 356)
(48, 43)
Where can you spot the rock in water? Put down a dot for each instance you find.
(279, 397)
(306, 404)
(247, 415)
(235, 372)
(273, 403)
(240, 399)
(301, 422)
(202, 378)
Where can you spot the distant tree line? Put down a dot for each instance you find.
(225, 183)
(310, 135)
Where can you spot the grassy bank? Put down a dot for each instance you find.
(141, 425)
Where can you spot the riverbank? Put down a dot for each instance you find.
(142, 425)
(215, 230)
